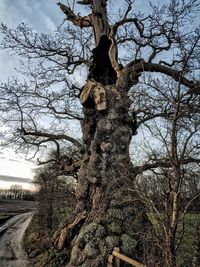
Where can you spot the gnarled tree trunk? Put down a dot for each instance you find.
(108, 214)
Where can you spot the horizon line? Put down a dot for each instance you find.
(8, 178)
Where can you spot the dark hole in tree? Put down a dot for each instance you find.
(101, 69)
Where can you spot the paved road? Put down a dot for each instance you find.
(11, 249)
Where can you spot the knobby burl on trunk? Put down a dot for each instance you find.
(108, 214)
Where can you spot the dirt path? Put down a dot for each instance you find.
(11, 250)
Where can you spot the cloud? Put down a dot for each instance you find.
(42, 15)
(15, 160)
(7, 178)
(14, 165)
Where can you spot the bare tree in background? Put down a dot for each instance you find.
(55, 191)
(55, 197)
(123, 48)
(172, 158)
(16, 189)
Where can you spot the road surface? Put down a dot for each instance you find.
(12, 253)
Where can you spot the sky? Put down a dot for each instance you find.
(42, 16)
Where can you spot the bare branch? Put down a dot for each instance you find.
(194, 86)
(51, 137)
(165, 163)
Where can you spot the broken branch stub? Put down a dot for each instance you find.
(76, 20)
(97, 92)
(86, 91)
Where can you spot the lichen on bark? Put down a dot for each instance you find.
(103, 191)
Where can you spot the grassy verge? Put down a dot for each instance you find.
(40, 250)
(186, 233)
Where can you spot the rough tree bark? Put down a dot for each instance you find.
(107, 213)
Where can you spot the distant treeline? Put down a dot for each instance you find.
(17, 192)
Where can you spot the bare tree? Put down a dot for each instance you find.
(107, 213)
(16, 189)
(55, 197)
(172, 157)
